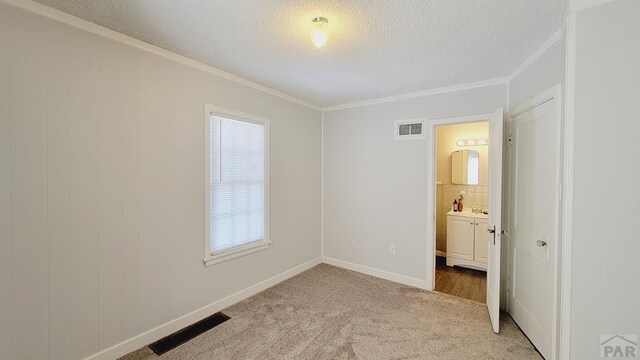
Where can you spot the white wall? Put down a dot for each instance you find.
(101, 219)
(543, 73)
(101, 189)
(375, 187)
(605, 291)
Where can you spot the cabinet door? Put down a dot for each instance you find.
(460, 238)
(481, 241)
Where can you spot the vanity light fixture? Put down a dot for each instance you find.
(319, 31)
(472, 142)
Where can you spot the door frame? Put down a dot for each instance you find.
(431, 125)
(553, 93)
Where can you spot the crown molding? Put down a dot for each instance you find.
(577, 5)
(60, 16)
(551, 41)
(413, 95)
(548, 44)
(82, 24)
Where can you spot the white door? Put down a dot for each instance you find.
(460, 238)
(481, 243)
(533, 171)
(496, 124)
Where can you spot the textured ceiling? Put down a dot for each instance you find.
(376, 48)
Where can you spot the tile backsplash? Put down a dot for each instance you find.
(477, 197)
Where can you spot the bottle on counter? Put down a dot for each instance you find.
(455, 205)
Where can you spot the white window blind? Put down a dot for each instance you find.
(237, 183)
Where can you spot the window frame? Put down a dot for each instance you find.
(211, 258)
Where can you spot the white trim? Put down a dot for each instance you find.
(147, 337)
(236, 252)
(420, 136)
(553, 93)
(209, 257)
(382, 274)
(441, 253)
(508, 97)
(322, 186)
(413, 95)
(547, 95)
(79, 23)
(558, 224)
(564, 341)
(578, 5)
(548, 44)
(431, 186)
(555, 38)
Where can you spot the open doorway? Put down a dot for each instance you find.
(462, 207)
(485, 225)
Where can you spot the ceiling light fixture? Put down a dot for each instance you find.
(319, 31)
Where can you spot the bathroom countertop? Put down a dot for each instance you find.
(468, 213)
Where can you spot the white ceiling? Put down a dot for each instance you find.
(377, 48)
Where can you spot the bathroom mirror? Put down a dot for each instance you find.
(465, 166)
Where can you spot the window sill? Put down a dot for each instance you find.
(236, 252)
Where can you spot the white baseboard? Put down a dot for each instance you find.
(382, 274)
(172, 326)
(441, 253)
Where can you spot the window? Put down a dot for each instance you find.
(236, 150)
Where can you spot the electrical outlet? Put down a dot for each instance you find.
(392, 249)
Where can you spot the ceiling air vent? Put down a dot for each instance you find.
(410, 130)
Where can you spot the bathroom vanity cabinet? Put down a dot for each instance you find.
(467, 240)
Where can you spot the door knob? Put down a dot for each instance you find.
(493, 231)
(541, 243)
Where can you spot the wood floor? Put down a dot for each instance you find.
(465, 283)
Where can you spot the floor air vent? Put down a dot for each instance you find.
(182, 336)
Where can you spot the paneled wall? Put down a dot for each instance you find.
(375, 187)
(605, 295)
(101, 189)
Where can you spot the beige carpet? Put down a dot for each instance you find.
(331, 313)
